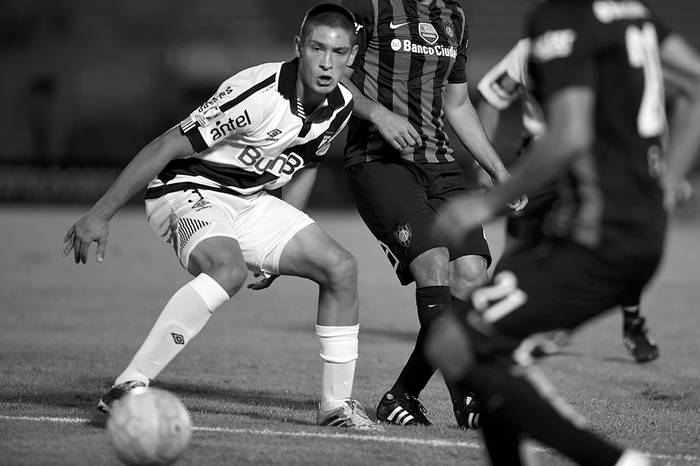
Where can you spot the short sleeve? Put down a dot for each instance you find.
(504, 83)
(459, 70)
(364, 21)
(231, 112)
(563, 49)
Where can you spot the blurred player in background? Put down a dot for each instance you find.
(507, 82)
(596, 69)
(409, 76)
(207, 182)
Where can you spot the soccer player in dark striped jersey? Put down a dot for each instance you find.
(267, 127)
(596, 69)
(408, 78)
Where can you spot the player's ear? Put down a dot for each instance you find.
(297, 46)
(353, 53)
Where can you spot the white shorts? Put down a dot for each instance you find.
(261, 223)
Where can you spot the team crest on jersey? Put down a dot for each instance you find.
(403, 235)
(428, 33)
(449, 29)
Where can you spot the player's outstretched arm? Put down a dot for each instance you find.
(94, 226)
(681, 65)
(395, 129)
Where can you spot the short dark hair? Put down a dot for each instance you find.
(328, 14)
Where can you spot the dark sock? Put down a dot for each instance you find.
(512, 400)
(431, 301)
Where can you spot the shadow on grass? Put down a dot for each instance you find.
(258, 404)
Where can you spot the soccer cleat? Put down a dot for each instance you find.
(638, 343)
(403, 411)
(349, 415)
(115, 393)
(467, 413)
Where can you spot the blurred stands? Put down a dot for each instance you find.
(89, 83)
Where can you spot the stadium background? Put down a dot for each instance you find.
(84, 85)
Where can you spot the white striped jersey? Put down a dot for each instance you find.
(253, 135)
(509, 80)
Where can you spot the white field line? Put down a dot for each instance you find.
(324, 435)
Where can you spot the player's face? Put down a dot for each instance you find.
(324, 55)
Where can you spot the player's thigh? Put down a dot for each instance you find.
(392, 200)
(447, 181)
(565, 285)
(187, 218)
(312, 253)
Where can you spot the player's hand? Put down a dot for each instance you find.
(82, 234)
(262, 280)
(676, 193)
(518, 204)
(460, 215)
(396, 130)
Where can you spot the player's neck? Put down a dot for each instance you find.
(308, 98)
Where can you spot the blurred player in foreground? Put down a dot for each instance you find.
(408, 80)
(207, 182)
(504, 84)
(596, 68)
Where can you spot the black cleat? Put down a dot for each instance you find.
(115, 393)
(405, 410)
(468, 413)
(638, 343)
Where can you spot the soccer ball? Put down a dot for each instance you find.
(149, 426)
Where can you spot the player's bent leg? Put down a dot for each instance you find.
(220, 272)
(313, 254)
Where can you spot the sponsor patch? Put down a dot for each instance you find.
(223, 128)
(208, 116)
(428, 33)
(403, 235)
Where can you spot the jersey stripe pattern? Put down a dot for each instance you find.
(409, 52)
(253, 134)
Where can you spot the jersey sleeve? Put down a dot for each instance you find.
(563, 49)
(504, 83)
(459, 70)
(232, 112)
(365, 18)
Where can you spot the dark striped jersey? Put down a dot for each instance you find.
(613, 194)
(409, 52)
(253, 134)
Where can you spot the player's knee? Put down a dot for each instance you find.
(468, 276)
(340, 269)
(226, 267)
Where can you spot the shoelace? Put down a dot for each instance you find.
(416, 407)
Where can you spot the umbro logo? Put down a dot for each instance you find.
(179, 339)
(272, 135)
(396, 26)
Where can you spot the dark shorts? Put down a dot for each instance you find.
(398, 202)
(567, 284)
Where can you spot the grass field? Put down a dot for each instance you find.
(251, 378)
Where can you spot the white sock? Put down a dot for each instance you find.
(186, 313)
(339, 353)
(633, 458)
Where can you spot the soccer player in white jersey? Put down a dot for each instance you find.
(508, 82)
(207, 182)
